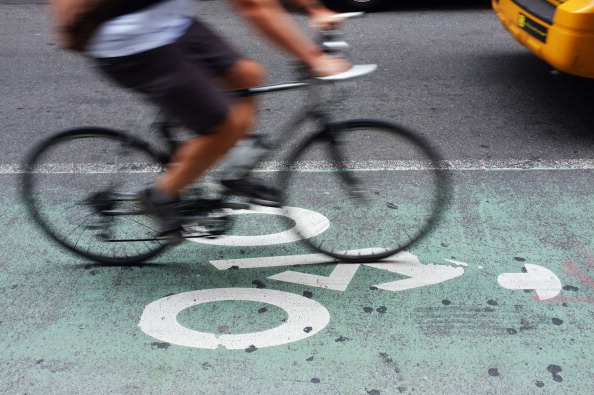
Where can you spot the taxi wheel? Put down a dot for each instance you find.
(355, 5)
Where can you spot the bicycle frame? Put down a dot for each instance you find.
(312, 109)
(205, 209)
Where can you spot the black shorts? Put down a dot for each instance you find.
(180, 77)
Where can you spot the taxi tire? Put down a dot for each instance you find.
(355, 5)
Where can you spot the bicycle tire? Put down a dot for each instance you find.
(65, 171)
(402, 189)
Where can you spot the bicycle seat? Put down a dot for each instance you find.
(358, 70)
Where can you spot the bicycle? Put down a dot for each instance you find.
(397, 194)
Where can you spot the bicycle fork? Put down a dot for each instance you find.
(354, 189)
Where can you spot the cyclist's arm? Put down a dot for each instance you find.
(271, 19)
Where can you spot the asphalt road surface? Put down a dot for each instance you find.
(497, 300)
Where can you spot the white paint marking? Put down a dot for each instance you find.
(407, 264)
(273, 261)
(338, 280)
(546, 284)
(306, 318)
(309, 222)
(379, 165)
(403, 263)
(85, 168)
(456, 262)
(370, 165)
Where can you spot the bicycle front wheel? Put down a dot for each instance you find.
(379, 187)
(73, 178)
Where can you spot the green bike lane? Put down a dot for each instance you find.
(498, 299)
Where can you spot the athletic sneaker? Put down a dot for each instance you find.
(254, 190)
(167, 211)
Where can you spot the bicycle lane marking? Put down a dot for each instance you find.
(159, 319)
(546, 283)
(314, 223)
(489, 336)
(403, 263)
(306, 317)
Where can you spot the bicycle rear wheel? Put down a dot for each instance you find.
(73, 178)
(375, 207)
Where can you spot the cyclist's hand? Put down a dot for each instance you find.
(324, 66)
(322, 19)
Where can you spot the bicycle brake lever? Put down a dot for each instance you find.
(349, 15)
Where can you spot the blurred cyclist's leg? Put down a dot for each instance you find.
(184, 79)
(198, 154)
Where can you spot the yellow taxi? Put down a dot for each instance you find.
(561, 32)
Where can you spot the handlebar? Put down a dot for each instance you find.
(347, 15)
(331, 41)
(333, 44)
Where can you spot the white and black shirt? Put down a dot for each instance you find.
(149, 28)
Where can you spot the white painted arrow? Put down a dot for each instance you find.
(338, 280)
(546, 284)
(407, 264)
(403, 263)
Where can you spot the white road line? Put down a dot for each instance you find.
(320, 166)
(458, 165)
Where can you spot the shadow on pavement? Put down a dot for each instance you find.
(560, 103)
(427, 5)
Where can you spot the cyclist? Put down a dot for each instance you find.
(183, 67)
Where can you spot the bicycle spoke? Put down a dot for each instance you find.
(70, 201)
